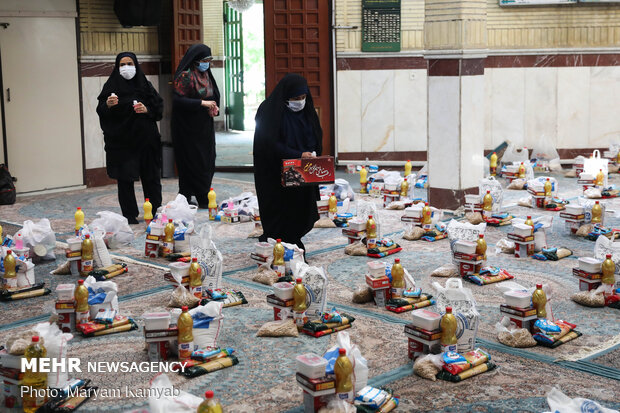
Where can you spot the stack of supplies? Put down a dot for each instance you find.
(459, 367)
(554, 334)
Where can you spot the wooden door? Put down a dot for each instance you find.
(186, 27)
(297, 40)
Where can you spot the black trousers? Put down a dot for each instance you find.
(127, 196)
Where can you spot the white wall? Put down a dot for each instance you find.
(573, 107)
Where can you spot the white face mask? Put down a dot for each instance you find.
(296, 105)
(128, 72)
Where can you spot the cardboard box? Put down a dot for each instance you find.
(586, 284)
(378, 283)
(381, 297)
(308, 171)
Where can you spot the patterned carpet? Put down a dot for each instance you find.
(264, 379)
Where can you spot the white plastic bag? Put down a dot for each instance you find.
(207, 324)
(209, 257)
(179, 209)
(463, 306)
(56, 345)
(594, 164)
(544, 150)
(514, 154)
(115, 227)
(561, 403)
(338, 406)
(360, 365)
(40, 233)
(315, 281)
(604, 246)
(166, 402)
(497, 193)
(538, 184)
(109, 288)
(464, 231)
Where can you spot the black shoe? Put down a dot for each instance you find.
(132, 221)
(192, 202)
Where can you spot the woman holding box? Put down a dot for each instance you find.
(129, 108)
(287, 127)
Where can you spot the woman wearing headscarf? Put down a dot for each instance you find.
(128, 109)
(196, 102)
(287, 127)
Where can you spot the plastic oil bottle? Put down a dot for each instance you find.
(407, 168)
(600, 178)
(79, 220)
(493, 164)
(404, 189)
(333, 205)
(299, 304)
(211, 196)
(522, 171)
(448, 331)
(210, 404)
(371, 233)
(148, 211)
(195, 278)
(539, 301)
(343, 369)
(82, 310)
(10, 276)
(608, 269)
(487, 204)
(481, 246)
(36, 382)
(427, 216)
(398, 279)
(548, 188)
(363, 181)
(597, 213)
(278, 264)
(185, 336)
(529, 222)
(167, 247)
(87, 255)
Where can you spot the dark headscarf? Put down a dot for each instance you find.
(187, 75)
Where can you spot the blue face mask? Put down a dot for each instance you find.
(203, 66)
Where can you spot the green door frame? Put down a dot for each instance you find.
(233, 68)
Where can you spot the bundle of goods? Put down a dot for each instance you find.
(330, 322)
(552, 254)
(597, 282)
(543, 191)
(471, 257)
(382, 248)
(164, 238)
(423, 333)
(228, 297)
(18, 280)
(574, 217)
(523, 236)
(553, 334)
(489, 275)
(599, 230)
(457, 367)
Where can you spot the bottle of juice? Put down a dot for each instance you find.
(82, 310)
(597, 213)
(167, 247)
(427, 214)
(212, 204)
(487, 204)
(404, 189)
(548, 188)
(185, 338)
(600, 178)
(539, 301)
(10, 276)
(398, 279)
(1, 239)
(493, 164)
(407, 168)
(278, 264)
(608, 269)
(522, 170)
(371, 233)
(299, 304)
(448, 331)
(87, 255)
(195, 278)
(343, 369)
(79, 220)
(148, 211)
(333, 204)
(35, 382)
(363, 180)
(481, 246)
(210, 404)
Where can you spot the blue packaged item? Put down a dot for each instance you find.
(179, 234)
(539, 256)
(450, 357)
(96, 297)
(489, 270)
(371, 397)
(373, 168)
(205, 354)
(217, 294)
(344, 215)
(332, 316)
(288, 254)
(413, 293)
(547, 326)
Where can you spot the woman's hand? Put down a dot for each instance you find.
(209, 104)
(214, 111)
(112, 101)
(140, 108)
(307, 155)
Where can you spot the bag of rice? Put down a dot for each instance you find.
(474, 218)
(428, 366)
(324, 223)
(286, 328)
(448, 270)
(356, 249)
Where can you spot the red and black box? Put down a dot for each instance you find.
(308, 171)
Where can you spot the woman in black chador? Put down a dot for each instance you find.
(132, 140)
(287, 127)
(196, 101)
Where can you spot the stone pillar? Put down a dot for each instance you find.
(455, 48)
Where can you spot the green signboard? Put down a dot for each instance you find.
(380, 25)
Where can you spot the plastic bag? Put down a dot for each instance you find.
(280, 328)
(179, 209)
(207, 324)
(209, 257)
(115, 227)
(360, 365)
(604, 246)
(56, 346)
(593, 193)
(538, 184)
(464, 231)
(514, 154)
(428, 366)
(181, 297)
(40, 233)
(509, 335)
(343, 190)
(162, 398)
(315, 281)
(561, 403)
(544, 150)
(497, 193)
(108, 289)
(594, 164)
(463, 306)
(338, 406)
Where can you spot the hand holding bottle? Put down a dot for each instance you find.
(139, 107)
(112, 100)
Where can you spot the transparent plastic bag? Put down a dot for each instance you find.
(56, 346)
(209, 257)
(115, 227)
(514, 154)
(360, 365)
(162, 398)
(39, 233)
(561, 403)
(428, 366)
(179, 209)
(497, 193)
